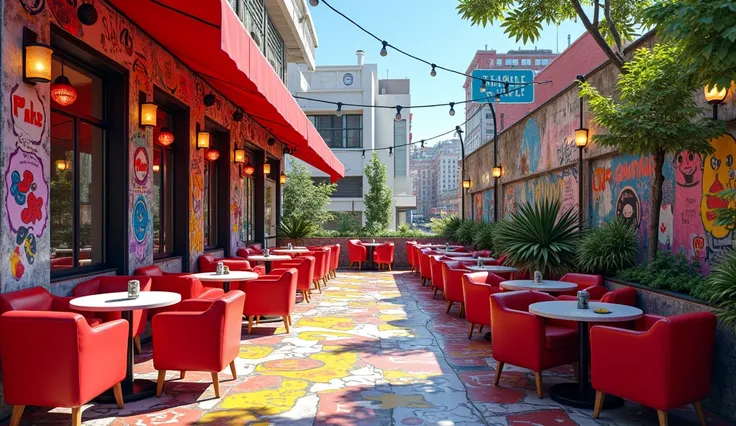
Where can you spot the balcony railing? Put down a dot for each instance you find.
(254, 16)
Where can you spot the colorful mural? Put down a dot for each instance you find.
(561, 185)
(719, 173)
(488, 205)
(531, 148)
(478, 206)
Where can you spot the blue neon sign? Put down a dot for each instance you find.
(515, 77)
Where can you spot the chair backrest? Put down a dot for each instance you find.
(207, 263)
(425, 268)
(320, 259)
(30, 299)
(410, 253)
(622, 296)
(227, 311)
(582, 280)
(475, 295)
(267, 296)
(328, 258)
(149, 271)
(256, 247)
(435, 266)
(245, 252)
(305, 270)
(488, 278)
(335, 257)
(518, 300)
(452, 278)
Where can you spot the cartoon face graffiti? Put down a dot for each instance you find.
(628, 206)
(719, 173)
(689, 168)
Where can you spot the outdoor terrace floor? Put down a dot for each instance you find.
(373, 349)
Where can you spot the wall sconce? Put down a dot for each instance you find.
(156, 168)
(496, 171)
(148, 114)
(282, 178)
(266, 168)
(203, 139)
(165, 137)
(249, 169)
(581, 137)
(212, 154)
(36, 59)
(715, 97)
(62, 165)
(466, 183)
(239, 156)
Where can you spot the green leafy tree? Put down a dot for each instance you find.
(656, 115)
(612, 23)
(305, 200)
(378, 199)
(706, 31)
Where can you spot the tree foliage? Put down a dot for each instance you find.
(655, 115)
(706, 32)
(305, 200)
(378, 199)
(611, 22)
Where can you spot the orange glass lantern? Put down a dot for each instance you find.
(266, 168)
(62, 91)
(249, 169)
(203, 140)
(37, 65)
(148, 114)
(165, 137)
(212, 154)
(282, 178)
(239, 155)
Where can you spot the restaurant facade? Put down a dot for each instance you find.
(139, 132)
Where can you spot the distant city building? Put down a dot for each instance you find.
(436, 178)
(353, 135)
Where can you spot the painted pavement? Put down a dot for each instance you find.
(374, 349)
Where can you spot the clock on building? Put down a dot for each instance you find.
(347, 79)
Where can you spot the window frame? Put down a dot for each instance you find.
(334, 133)
(168, 172)
(210, 197)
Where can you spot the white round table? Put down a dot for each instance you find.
(547, 286)
(268, 259)
(471, 259)
(581, 395)
(288, 251)
(371, 248)
(437, 246)
(492, 268)
(133, 390)
(226, 279)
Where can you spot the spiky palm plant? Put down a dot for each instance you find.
(720, 288)
(466, 232)
(446, 227)
(608, 249)
(484, 236)
(296, 228)
(539, 237)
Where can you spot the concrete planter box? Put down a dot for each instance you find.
(722, 399)
(400, 258)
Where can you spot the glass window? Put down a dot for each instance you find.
(340, 132)
(400, 168)
(526, 62)
(162, 211)
(248, 207)
(499, 61)
(76, 188)
(209, 210)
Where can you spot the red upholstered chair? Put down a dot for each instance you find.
(592, 283)
(327, 259)
(321, 266)
(62, 262)
(435, 267)
(244, 252)
(384, 255)
(414, 257)
(452, 276)
(409, 260)
(357, 253)
(502, 260)
(334, 260)
(39, 299)
(113, 284)
(477, 288)
(664, 364)
(425, 267)
(622, 296)
(55, 359)
(256, 247)
(186, 285)
(305, 273)
(204, 335)
(271, 295)
(482, 253)
(526, 340)
(208, 263)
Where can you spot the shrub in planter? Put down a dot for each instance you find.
(483, 239)
(539, 237)
(296, 228)
(667, 272)
(446, 227)
(466, 232)
(608, 249)
(720, 288)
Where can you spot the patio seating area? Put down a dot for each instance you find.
(370, 349)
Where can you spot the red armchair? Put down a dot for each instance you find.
(410, 253)
(414, 256)
(523, 339)
(187, 286)
(334, 259)
(622, 296)
(425, 267)
(113, 284)
(592, 283)
(435, 266)
(452, 276)
(55, 359)
(664, 364)
(245, 252)
(477, 288)
(39, 299)
(208, 263)
(321, 265)
(327, 260)
(271, 295)
(204, 335)
(305, 273)
(384, 255)
(357, 253)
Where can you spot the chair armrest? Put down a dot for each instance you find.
(106, 342)
(626, 360)
(518, 336)
(211, 293)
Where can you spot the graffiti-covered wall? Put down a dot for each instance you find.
(25, 149)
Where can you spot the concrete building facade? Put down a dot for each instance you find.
(437, 179)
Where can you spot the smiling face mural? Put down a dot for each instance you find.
(719, 173)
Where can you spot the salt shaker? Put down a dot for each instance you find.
(266, 252)
(537, 277)
(480, 262)
(583, 299)
(220, 268)
(289, 246)
(134, 288)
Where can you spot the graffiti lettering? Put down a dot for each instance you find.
(601, 177)
(636, 169)
(27, 116)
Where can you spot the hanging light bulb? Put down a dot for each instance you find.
(314, 3)
(384, 51)
(483, 86)
(422, 146)
(398, 112)
(156, 168)
(433, 73)
(390, 151)
(452, 109)
(249, 169)
(212, 154)
(339, 109)
(165, 137)
(498, 97)
(363, 153)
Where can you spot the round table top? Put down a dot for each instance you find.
(568, 310)
(492, 268)
(115, 302)
(285, 250)
(471, 259)
(271, 258)
(232, 276)
(372, 244)
(437, 246)
(546, 285)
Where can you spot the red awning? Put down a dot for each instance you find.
(209, 38)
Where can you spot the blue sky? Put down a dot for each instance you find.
(430, 29)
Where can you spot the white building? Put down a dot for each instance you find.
(359, 130)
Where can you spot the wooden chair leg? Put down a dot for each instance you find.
(117, 390)
(160, 382)
(232, 370)
(462, 310)
(137, 341)
(435, 293)
(182, 374)
(470, 331)
(599, 397)
(662, 415)
(389, 267)
(286, 325)
(540, 384)
(250, 323)
(258, 320)
(17, 413)
(699, 410)
(216, 384)
(480, 329)
(499, 370)
(291, 323)
(76, 416)
(449, 306)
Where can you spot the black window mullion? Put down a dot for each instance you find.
(75, 195)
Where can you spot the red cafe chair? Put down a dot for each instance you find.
(452, 277)
(305, 273)
(327, 259)
(334, 260)
(482, 253)
(425, 267)
(664, 363)
(529, 341)
(384, 255)
(246, 252)
(55, 359)
(357, 253)
(592, 283)
(208, 263)
(410, 254)
(113, 284)
(271, 295)
(414, 257)
(203, 335)
(477, 288)
(186, 285)
(39, 299)
(320, 266)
